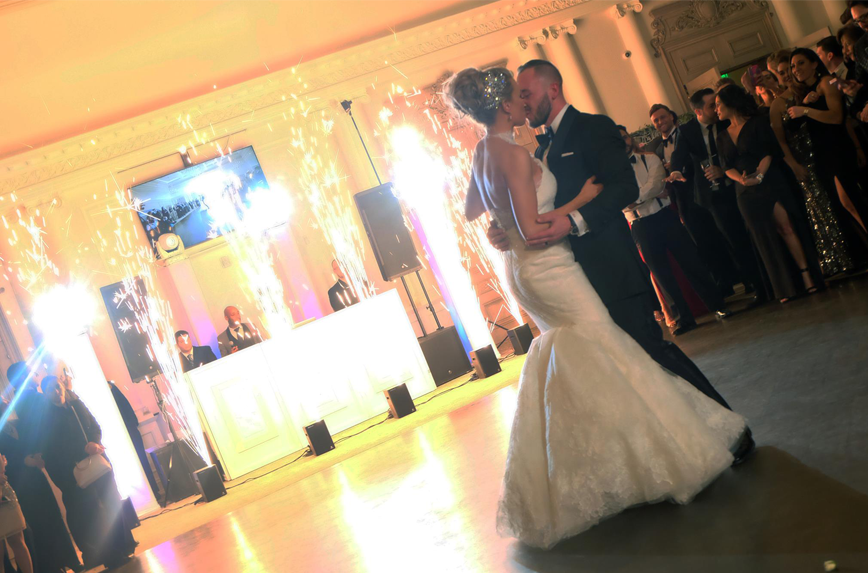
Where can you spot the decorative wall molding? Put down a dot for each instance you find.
(565, 27)
(273, 93)
(622, 10)
(539, 38)
(679, 18)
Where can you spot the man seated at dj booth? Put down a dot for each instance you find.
(341, 295)
(192, 356)
(238, 335)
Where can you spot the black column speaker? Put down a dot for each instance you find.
(384, 223)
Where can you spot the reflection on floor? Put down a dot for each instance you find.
(425, 500)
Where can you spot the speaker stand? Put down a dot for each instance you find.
(179, 452)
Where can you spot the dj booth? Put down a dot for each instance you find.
(255, 403)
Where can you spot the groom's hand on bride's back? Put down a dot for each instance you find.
(559, 227)
(497, 237)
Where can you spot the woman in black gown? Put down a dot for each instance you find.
(52, 549)
(753, 160)
(69, 434)
(835, 148)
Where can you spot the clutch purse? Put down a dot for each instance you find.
(90, 469)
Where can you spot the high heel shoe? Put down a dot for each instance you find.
(813, 289)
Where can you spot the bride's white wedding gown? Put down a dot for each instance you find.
(599, 425)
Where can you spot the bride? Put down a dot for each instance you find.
(599, 426)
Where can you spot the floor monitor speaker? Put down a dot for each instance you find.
(445, 355)
(400, 402)
(485, 362)
(210, 484)
(521, 337)
(319, 438)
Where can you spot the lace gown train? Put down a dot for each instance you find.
(599, 426)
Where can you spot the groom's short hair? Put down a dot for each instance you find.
(545, 68)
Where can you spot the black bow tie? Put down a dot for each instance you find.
(667, 141)
(546, 138)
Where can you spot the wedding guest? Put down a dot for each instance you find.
(658, 233)
(697, 148)
(70, 434)
(697, 220)
(52, 550)
(831, 54)
(834, 244)
(722, 83)
(767, 88)
(779, 64)
(834, 145)
(848, 36)
(857, 88)
(752, 156)
(12, 524)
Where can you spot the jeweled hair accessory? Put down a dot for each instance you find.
(496, 84)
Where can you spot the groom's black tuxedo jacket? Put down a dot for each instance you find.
(585, 146)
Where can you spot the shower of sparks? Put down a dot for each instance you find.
(140, 292)
(420, 179)
(330, 200)
(245, 223)
(457, 164)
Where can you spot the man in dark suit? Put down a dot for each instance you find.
(658, 233)
(576, 147)
(192, 356)
(341, 295)
(697, 220)
(697, 150)
(832, 54)
(238, 335)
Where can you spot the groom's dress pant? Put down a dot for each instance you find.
(635, 316)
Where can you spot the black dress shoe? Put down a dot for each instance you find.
(723, 313)
(745, 448)
(681, 328)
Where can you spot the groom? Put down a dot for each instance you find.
(577, 146)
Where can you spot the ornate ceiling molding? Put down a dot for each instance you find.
(269, 94)
(678, 18)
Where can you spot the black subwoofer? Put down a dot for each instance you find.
(445, 355)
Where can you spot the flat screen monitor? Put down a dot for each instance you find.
(179, 202)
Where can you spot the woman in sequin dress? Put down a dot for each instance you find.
(835, 232)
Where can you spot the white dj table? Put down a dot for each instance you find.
(254, 403)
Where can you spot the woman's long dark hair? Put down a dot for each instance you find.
(811, 56)
(738, 100)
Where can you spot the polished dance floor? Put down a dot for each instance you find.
(425, 500)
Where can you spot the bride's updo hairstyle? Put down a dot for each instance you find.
(479, 93)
